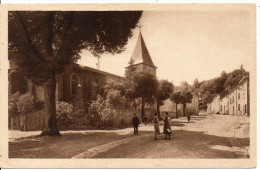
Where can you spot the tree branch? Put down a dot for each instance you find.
(51, 34)
(66, 32)
(33, 48)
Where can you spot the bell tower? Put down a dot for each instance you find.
(140, 60)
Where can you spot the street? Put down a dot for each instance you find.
(212, 136)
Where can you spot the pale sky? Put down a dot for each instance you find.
(186, 44)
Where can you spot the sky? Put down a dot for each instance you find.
(188, 44)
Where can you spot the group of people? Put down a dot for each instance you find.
(166, 126)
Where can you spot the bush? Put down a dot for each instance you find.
(115, 99)
(12, 104)
(25, 103)
(38, 105)
(100, 113)
(64, 112)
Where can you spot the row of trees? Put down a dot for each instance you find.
(146, 87)
(143, 86)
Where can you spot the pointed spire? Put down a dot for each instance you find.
(140, 53)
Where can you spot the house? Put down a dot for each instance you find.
(170, 106)
(224, 99)
(234, 101)
(239, 98)
(213, 106)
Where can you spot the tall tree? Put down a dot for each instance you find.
(164, 91)
(186, 97)
(145, 87)
(42, 43)
(176, 98)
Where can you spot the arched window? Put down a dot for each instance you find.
(74, 84)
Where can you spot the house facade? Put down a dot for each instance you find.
(224, 110)
(234, 101)
(213, 106)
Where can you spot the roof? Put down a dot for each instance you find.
(224, 94)
(96, 70)
(140, 54)
(243, 79)
(227, 91)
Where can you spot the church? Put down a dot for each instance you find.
(81, 84)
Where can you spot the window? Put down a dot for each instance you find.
(238, 95)
(238, 107)
(230, 100)
(233, 99)
(245, 108)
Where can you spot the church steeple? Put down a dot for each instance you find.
(141, 54)
(141, 59)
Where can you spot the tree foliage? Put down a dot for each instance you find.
(164, 91)
(42, 43)
(207, 89)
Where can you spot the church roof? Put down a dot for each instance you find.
(140, 54)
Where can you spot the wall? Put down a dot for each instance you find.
(170, 106)
(224, 105)
(214, 105)
(29, 122)
(141, 68)
(232, 103)
(242, 100)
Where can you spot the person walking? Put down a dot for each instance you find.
(156, 126)
(167, 126)
(188, 117)
(135, 122)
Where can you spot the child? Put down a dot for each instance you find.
(156, 126)
(167, 126)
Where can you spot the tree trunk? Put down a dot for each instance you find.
(184, 106)
(158, 109)
(134, 104)
(142, 109)
(176, 110)
(50, 123)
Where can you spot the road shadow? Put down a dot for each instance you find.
(64, 146)
(183, 144)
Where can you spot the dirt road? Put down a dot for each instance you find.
(213, 136)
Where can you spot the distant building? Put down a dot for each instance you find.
(224, 102)
(170, 107)
(213, 106)
(233, 101)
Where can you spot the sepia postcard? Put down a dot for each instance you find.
(128, 85)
